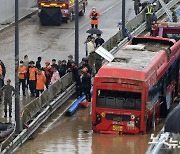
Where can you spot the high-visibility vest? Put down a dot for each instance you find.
(32, 73)
(41, 80)
(22, 72)
(149, 10)
(1, 70)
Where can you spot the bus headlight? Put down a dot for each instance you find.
(137, 122)
(98, 118)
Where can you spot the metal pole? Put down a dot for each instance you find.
(17, 105)
(123, 19)
(77, 32)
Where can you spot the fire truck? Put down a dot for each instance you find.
(66, 8)
(139, 85)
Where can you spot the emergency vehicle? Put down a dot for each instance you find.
(131, 92)
(67, 7)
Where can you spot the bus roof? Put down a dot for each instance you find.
(133, 61)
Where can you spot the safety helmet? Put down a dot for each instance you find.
(93, 9)
(84, 70)
(154, 4)
(47, 62)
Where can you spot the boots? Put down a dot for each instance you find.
(5, 115)
(10, 115)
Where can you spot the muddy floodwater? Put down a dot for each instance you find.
(73, 135)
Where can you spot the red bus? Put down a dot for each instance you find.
(67, 7)
(132, 91)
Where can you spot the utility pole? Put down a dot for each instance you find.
(77, 32)
(123, 19)
(17, 104)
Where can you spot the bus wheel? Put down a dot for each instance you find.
(70, 18)
(82, 12)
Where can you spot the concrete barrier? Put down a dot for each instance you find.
(32, 109)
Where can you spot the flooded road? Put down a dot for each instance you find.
(73, 135)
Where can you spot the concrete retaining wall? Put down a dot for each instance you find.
(7, 8)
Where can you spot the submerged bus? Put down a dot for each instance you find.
(137, 87)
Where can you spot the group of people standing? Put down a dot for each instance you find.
(38, 77)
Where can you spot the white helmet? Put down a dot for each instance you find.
(154, 4)
(93, 9)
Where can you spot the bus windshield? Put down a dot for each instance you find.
(118, 99)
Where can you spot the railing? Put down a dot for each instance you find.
(32, 109)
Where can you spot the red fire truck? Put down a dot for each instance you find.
(67, 7)
(131, 92)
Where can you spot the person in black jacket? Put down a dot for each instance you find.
(85, 63)
(86, 84)
(2, 76)
(75, 72)
(38, 63)
(70, 60)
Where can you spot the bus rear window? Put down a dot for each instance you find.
(118, 99)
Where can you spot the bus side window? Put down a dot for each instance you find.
(119, 102)
(110, 102)
(101, 101)
(129, 104)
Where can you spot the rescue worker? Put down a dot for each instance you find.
(136, 6)
(86, 84)
(75, 72)
(38, 63)
(2, 76)
(149, 15)
(48, 73)
(32, 72)
(94, 15)
(8, 91)
(22, 76)
(40, 83)
(55, 77)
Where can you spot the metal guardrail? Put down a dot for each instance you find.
(32, 109)
(40, 109)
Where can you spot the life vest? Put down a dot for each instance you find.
(32, 73)
(149, 10)
(41, 80)
(47, 70)
(22, 72)
(1, 70)
(94, 17)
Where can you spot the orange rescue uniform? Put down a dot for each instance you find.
(22, 72)
(1, 70)
(41, 80)
(32, 73)
(94, 15)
